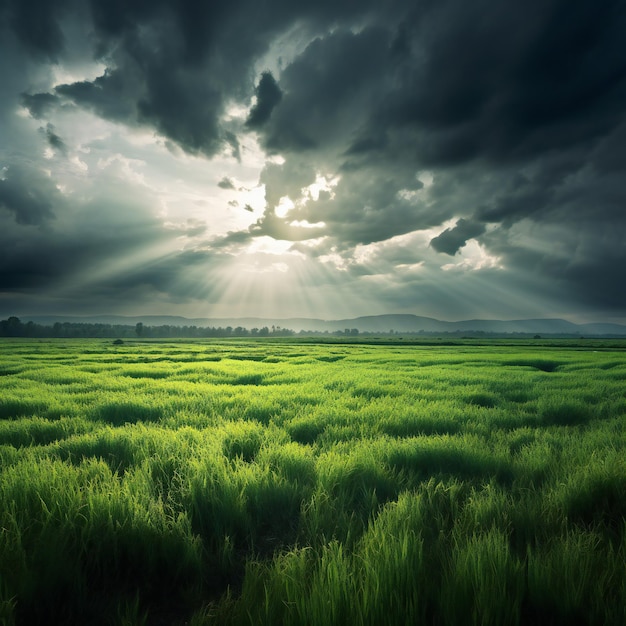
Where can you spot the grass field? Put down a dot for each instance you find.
(298, 483)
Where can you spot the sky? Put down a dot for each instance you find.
(326, 158)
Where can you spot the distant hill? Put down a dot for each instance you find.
(401, 323)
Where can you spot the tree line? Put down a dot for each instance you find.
(14, 327)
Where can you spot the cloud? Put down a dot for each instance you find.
(111, 95)
(226, 183)
(502, 84)
(327, 91)
(35, 23)
(366, 204)
(28, 194)
(383, 136)
(582, 259)
(54, 140)
(451, 240)
(39, 104)
(268, 95)
(175, 66)
(88, 243)
(152, 80)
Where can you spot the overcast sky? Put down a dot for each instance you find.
(323, 158)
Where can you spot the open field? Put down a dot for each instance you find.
(243, 482)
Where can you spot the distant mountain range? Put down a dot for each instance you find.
(371, 323)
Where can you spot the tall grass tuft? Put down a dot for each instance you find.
(484, 583)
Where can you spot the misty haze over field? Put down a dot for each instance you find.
(318, 159)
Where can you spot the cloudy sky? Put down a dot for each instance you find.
(324, 158)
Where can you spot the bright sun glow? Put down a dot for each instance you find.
(278, 282)
(268, 245)
(285, 204)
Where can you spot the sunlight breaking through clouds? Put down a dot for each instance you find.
(473, 257)
(345, 157)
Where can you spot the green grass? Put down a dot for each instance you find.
(287, 482)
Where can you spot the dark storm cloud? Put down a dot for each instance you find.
(110, 95)
(28, 194)
(35, 24)
(452, 240)
(175, 65)
(53, 139)
(152, 79)
(437, 83)
(268, 95)
(41, 260)
(40, 104)
(492, 81)
(328, 90)
(455, 82)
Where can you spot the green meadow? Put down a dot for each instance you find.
(302, 483)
